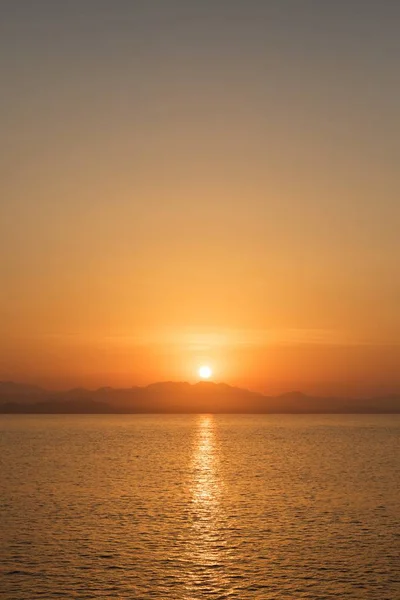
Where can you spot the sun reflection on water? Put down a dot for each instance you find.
(206, 483)
(208, 551)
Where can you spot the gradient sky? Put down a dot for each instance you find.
(188, 181)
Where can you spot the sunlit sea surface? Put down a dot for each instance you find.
(190, 507)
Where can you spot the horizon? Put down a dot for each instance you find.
(199, 382)
(182, 397)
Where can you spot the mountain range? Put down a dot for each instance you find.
(180, 397)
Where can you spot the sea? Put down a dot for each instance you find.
(190, 507)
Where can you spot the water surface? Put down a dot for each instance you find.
(192, 507)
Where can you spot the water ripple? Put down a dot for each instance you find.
(193, 507)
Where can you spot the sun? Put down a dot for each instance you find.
(205, 372)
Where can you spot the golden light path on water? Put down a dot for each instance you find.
(208, 547)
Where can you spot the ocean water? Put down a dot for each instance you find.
(200, 506)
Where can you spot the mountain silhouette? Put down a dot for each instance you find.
(180, 397)
(9, 388)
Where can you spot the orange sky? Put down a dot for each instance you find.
(184, 186)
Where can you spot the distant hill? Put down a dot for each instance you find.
(10, 388)
(179, 397)
(21, 393)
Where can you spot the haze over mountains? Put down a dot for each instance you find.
(179, 397)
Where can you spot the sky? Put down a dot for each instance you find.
(189, 182)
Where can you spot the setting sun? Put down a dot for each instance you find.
(205, 372)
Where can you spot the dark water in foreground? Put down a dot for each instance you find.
(190, 507)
